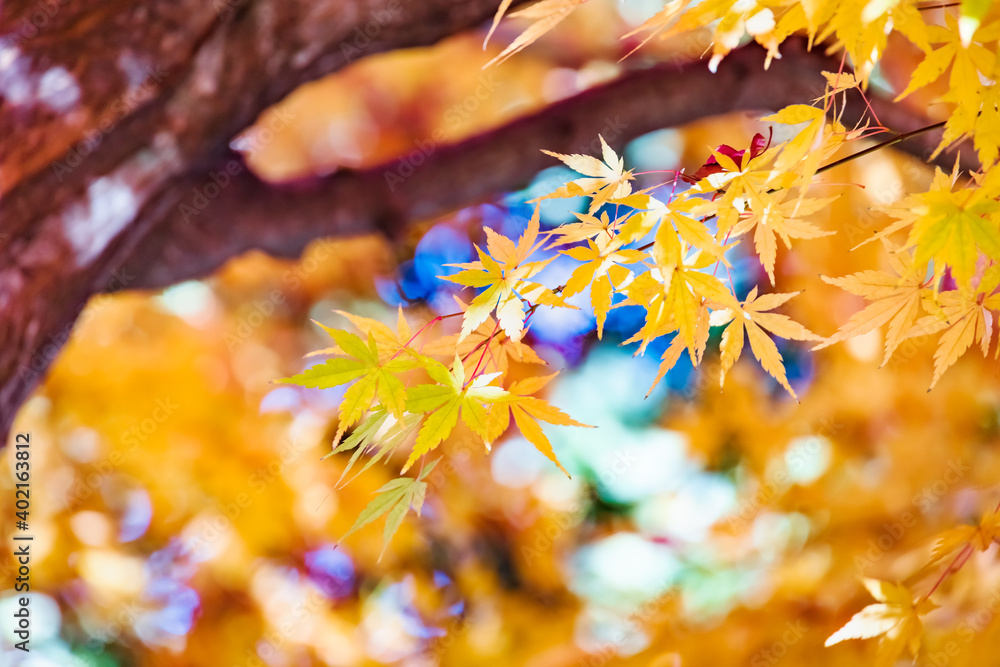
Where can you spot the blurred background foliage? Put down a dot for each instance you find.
(183, 516)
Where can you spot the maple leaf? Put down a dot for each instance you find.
(605, 180)
(966, 317)
(756, 21)
(504, 272)
(389, 342)
(971, 63)
(752, 317)
(979, 537)
(779, 219)
(588, 227)
(757, 146)
(838, 82)
(895, 298)
(951, 227)
(527, 411)
(662, 21)
(602, 253)
(966, 59)
(732, 21)
(374, 377)
(377, 435)
(681, 213)
(815, 142)
(602, 270)
(981, 119)
(909, 209)
(669, 359)
(394, 500)
(895, 618)
(546, 14)
(739, 181)
(673, 293)
(452, 397)
(971, 17)
(862, 28)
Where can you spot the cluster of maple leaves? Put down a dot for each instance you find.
(407, 385)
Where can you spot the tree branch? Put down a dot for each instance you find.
(127, 213)
(193, 236)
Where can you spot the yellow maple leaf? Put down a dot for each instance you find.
(373, 375)
(752, 178)
(389, 342)
(450, 398)
(730, 21)
(801, 156)
(777, 218)
(673, 294)
(895, 618)
(752, 317)
(979, 537)
(838, 82)
(605, 180)
(546, 15)
(951, 227)
(602, 270)
(394, 500)
(527, 411)
(861, 28)
(966, 317)
(505, 273)
(662, 22)
(965, 57)
(588, 227)
(895, 297)
(971, 63)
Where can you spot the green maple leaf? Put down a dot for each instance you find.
(452, 397)
(374, 378)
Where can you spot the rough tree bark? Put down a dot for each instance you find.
(113, 113)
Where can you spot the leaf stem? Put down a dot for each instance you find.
(955, 566)
(888, 142)
(486, 347)
(941, 6)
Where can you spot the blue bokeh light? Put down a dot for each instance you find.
(332, 570)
